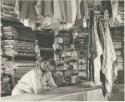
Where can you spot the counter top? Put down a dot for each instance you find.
(70, 93)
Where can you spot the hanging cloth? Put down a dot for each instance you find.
(24, 9)
(57, 13)
(39, 7)
(73, 10)
(62, 5)
(68, 11)
(84, 9)
(48, 8)
(78, 13)
(108, 59)
(98, 49)
(114, 5)
(32, 11)
(27, 9)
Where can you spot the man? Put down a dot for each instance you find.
(36, 80)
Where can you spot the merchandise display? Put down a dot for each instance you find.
(62, 50)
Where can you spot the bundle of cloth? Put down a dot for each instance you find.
(19, 48)
(8, 10)
(9, 32)
(7, 66)
(23, 67)
(8, 47)
(25, 48)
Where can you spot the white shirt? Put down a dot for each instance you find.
(33, 81)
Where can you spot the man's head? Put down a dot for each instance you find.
(44, 65)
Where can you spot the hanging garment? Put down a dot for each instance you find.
(57, 13)
(39, 7)
(100, 30)
(33, 81)
(108, 58)
(96, 60)
(73, 10)
(48, 8)
(84, 9)
(27, 9)
(78, 14)
(114, 5)
(23, 9)
(62, 5)
(32, 11)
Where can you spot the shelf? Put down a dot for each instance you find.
(46, 49)
(19, 39)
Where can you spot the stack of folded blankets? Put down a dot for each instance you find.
(18, 48)
(8, 47)
(7, 66)
(67, 37)
(45, 40)
(118, 41)
(18, 43)
(9, 32)
(23, 67)
(83, 44)
(24, 48)
(8, 10)
(14, 47)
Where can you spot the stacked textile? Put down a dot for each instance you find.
(12, 46)
(24, 48)
(9, 32)
(83, 44)
(45, 40)
(67, 37)
(8, 47)
(18, 48)
(18, 32)
(8, 10)
(7, 66)
(23, 67)
(118, 40)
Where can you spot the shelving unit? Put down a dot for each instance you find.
(18, 43)
(117, 33)
(45, 40)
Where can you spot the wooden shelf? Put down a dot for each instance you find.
(46, 49)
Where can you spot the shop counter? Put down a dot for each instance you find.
(69, 93)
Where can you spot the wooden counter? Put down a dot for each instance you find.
(70, 93)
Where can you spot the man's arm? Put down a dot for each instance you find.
(24, 85)
(51, 81)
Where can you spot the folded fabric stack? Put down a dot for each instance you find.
(45, 40)
(118, 40)
(18, 32)
(24, 48)
(83, 45)
(18, 48)
(8, 10)
(82, 67)
(8, 66)
(23, 67)
(8, 47)
(25, 33)
(67, 37)
(9, 32)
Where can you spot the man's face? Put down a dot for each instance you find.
(44, 66)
